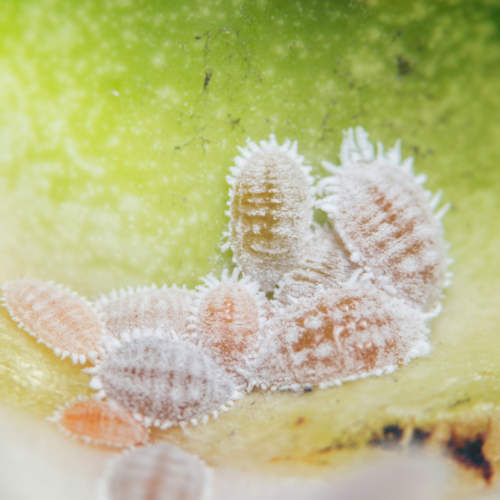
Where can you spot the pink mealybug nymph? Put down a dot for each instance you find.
(57, 317)
(98, 422)
(385, 219)
(270, 210)
(228, 319)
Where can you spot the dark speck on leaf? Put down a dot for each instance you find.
(404, 66)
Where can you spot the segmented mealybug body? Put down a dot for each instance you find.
(324, 265)
(340, 335)
(386, 220)
(158, 472)
(57, 317)
(228, 319)
(270, 210)
(162, 381)
(98, 422)
(147, 307)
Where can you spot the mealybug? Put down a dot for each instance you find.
(57, 317)
(340, 335)
(146, 307)
(324, 265)
(385, 219)
(228, 319)
(162, 381)
(100, 423)
(157, 472)
(270, 210)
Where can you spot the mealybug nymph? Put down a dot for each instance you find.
(324, 265)
(146, 307)
(158, 472)
(162, 381)
(270, 210)
(386, 221)
(57, 317)
(340, 335)
(98, 422)
(228, 319)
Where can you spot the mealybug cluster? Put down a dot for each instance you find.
(344, 301)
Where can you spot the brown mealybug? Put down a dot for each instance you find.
(270, 210)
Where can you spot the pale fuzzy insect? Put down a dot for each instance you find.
(162, 381)
(146, 307)
(98, 422)
(57, 317)
(270, 210)
(228, 319)
(385, 218)
(158, 472)
(324, 265)
(340, 335)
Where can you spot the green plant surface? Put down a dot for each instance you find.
(119, 121)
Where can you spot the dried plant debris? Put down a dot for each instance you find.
(57, 317)
(386, 220)
(145, 307)
(351, 299)
(157, 472)
(163, 381)
(98, 422)
(270, 210)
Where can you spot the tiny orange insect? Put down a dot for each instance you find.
(100, 423)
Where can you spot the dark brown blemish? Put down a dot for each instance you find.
(208, 77)
(300, 421)
(470, 453)
(404, 66)
(391, 436)
(420, 436)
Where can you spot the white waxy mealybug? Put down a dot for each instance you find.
(228, 319)
(385, 219)
(324, 265)
(157, 472)
(57, 317)
(270, 209)
(146, 307)
(162, 381)
(340, 335)
(98, 422)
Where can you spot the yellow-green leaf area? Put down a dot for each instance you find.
(119, 121)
